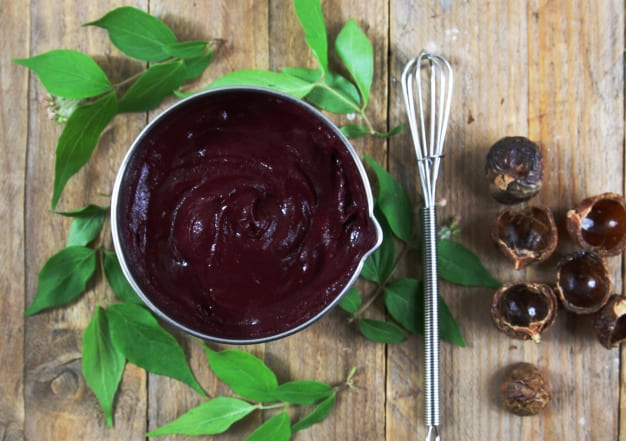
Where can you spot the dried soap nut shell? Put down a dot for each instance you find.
(598, 224)
(514, 169)
(525, 236)
(524, 390)
(524, 311)
(609, 324)
(583, 282)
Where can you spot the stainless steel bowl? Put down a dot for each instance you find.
(121, 192)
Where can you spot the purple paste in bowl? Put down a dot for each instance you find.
(242, 215)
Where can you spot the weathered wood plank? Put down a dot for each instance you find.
(14, 136)
(58, 403)
(243, 31)
(329, 348)
(482, 108)
(518, 72)
(576, 107)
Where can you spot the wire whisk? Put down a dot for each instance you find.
(427, 88)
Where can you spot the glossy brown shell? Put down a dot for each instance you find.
(524, 390)
(514, 169)
(525, 236)
(585, 266)
(502, 303)
(580, 218)
(609, 323)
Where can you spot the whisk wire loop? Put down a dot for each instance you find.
(428, 133)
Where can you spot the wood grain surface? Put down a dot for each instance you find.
(552, 70)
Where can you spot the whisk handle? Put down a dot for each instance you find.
(431, 320)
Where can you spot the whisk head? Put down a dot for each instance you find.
(427, 88)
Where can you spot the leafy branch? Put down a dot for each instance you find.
(85, 99)
(404, 297)
(82, 97)
(322, 87)
(259, 390)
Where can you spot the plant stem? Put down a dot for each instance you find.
(278, 405)
(358, 110)
(130, 79)
(348, 383)
(100, 257)
(133, 77)
(380, 287)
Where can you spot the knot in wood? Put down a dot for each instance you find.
(67, 383)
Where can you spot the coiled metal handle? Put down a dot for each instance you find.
(431, 324)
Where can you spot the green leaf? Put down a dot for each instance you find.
(279, 81)
(152, 86)
(86, 225)
(138, 335)
(380, 264)
(84, 230)
(356, 53)
(404, 300)
(244, 373)
(351, 301)
(68, 73)
(304, 73)
(137, 33)
(277, 428)
(117, 280)
(335, 93)
(311, 18)
(393, 202)
(457, 264)
(318, 414)
(381, 332)
(186, 49)
(209, 418)
(85, 212)
(63, 278)
(393, 132)
(194, 67)
(354, 131)
(302, 392)
(448, 328)
(79, 139)
(103, 365)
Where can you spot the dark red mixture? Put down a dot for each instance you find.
(241, 215)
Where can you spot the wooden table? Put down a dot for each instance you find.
(550, 70)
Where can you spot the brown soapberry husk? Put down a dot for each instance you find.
(525, 236)
(514, 169)
(524, 390)
(524, 310)
(609, 324)
(598, 224)
(583, 282)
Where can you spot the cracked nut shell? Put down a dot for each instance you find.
(525, 236)
(583, 282)
(598, 224)
(524, 390)
(524, 310)
(514, 169)
(609, 324)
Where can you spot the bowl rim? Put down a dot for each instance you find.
(117, 243)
